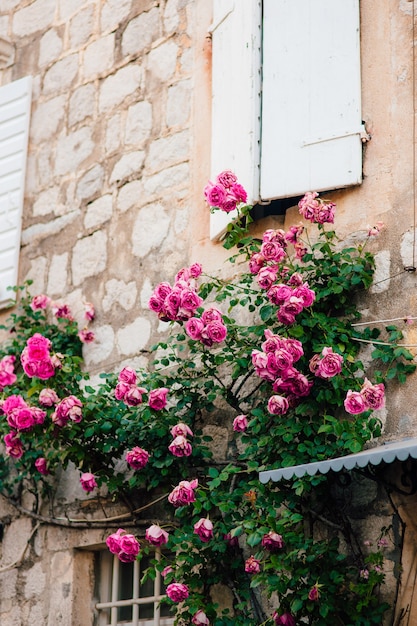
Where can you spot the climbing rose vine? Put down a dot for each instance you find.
(275, 358)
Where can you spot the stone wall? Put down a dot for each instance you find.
(118, 156)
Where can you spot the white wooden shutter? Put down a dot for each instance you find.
(311, 111)
(15, 99)
(236, 54)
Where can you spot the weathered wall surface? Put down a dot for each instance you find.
(118, 155)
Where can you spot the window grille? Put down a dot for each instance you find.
(124, 600)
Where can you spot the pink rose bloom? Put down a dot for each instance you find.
(69, 409)
(158, 398)
(354, 402)
(252, 565)
(86, 336)
(325, 213)
(272, 541)
(296, 279)
(155, 304)
(293, 233)
(134, 395)
(177, 592)
(129, 548)
(128, 375)
(21, 419)
(240, 424)
(260, 362)
(194, 328)
(137, 458)
(156, 535)
(226, 178)
(89, 312)
(300, 386)
(300, 250)
(62, 311)
(181, 429)
(7, 375)
(88, 482)
(272, 251)
(190, 300)
(41, 466)
(38, 415)
(215, 194)
(180, 447)
(13, 402)
(196, 269)
(294, 347)
(314, 593)
(113, 541)
(278, 294)
(214, 332)
(121, 390)
(277, 235)
(278, 405)
(330, 364)
(200, 619)
(285, 619)
(308, 205)
(204, 529)
(272, 342)
(256, 262)
(239, 193)
(48, 397)
(211, 315)
(306, 294)
(162, 290)
(40, 302)
(38, 347)
(267, 276)
(229, 204)
(183, 493)
(373, 395)
(14, 447)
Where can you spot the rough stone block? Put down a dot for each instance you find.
(134, 337)
(129, 195)
(99, 211)
(119, 292)
(141, 32)
(35, 581)
(168, 151)
(98, 56)
(50, 47)
(162, 61)
(113, 12)
(179, 103)
(47, 118)
(81, 27)
(58, 274)
(90, 183)
(138, 123)
(150, 229)
(33, 18)
(46, 202)
(61, 74)
(72, 150)
(127, 165)
(89, 257)
(82, 104)
(119, 86)
(101, 348)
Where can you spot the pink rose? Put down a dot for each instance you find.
(13, 402)
(181, 429)
(354, 402)
(7, 375)
(240, 423)
(183, 493)
(256, 262)
(200, 619)
(306, 294)
(137, 458)
(252, 565)
(113, 541)
(294, 347)
(40, 302)
(177, 592)
(166, 571)
(48, 397)
(38, 347)
(211, 315)
(373, 395)
(86, 336)
(190, 300)
(278, 405)
(267, 276)
(69, 408)
(226, 178)
(272, 251)
(21, 419)
(62, 311)
(129, 547)
(214, 332)
(194, 328)
(156, 535)
(133, 396)
(285, 619)
(41, 466)
(162, 290)
(155, 304)
(330, 364)
(277, 235)
(89, 312)
(314, 593)
(204, 529)
(278, 294)
(215, 194)
(128, 375)
(239, 193)
(272, 541)
(14, 447)
(180, 447)
(88, 482)
(158, 398)
(121, 390)
(293, 233)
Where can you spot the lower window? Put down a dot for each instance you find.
(123, 600)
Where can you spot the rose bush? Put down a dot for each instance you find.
(290, 382)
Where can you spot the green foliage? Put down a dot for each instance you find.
(204, 381)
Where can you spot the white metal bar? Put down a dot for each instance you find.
(114, 590)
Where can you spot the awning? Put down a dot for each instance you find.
(387, 453)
